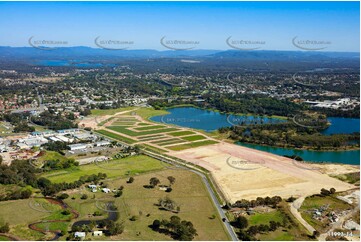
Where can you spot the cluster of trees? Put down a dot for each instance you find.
(19, 120)
(111, 227)
(54, 121)
(49, 189)
(288, 134)
(17, 194)
(260, 201)
(57, 146)
(59, 164)
(19, 172)
(247, 233)
(325, 192)
(168, 204)
(23, 127)
(178, 229)
(263, 228)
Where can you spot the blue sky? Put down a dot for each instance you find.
(209, 23)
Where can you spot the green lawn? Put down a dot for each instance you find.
(126, 131)
(150, 127)
(192, 145)
(170, 142)
(194, 137)
(52, 155)
(61, 226)
(265, 218)
(181, 133)
(165, 140)
(116, 136)
(116, 168)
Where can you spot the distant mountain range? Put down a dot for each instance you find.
(96, 53)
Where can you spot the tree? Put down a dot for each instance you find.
(171, 180)
(325, 192)
(63, 196)
(156, 224)
(154, 181)
(242, 222)
(115, 228)
(5, 228)
(130, 180)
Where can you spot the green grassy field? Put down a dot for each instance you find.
(116, 136)
(265, 218)
(124, 130)
(191, 145)
(193, 137)
(165, 140)
(181, 133)
(150, 127)
(51, 155)
(194, 201)
(20, 213)
(117, 168)
(150, 137)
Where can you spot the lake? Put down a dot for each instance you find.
(207, 120)
(211, 120)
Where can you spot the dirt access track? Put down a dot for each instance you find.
(244, 173)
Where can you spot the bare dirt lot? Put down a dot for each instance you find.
(247, 173)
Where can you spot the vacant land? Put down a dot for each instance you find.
(244, 173)
(192, 145)
(116, 168)
(136, 200)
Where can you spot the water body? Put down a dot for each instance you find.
(207, 120)
(351, 157)
(210, 120)
(73, 63)
(342, 126)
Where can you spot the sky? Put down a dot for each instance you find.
(333, 26)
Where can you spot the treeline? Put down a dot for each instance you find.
(178, 229)
(22, 173)
(254, 104)
(54, 121)
(49, 189)
(19, 120)
(288, 134)
(259, 201)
